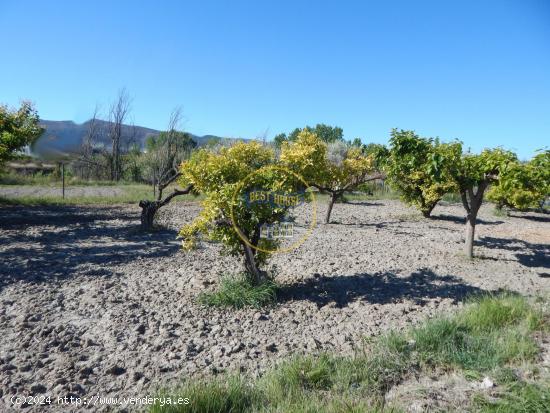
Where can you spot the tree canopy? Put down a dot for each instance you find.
(18, 128)
(421, 169)
(523, 185)
(324, 132)
(333, 168)
(225, 178)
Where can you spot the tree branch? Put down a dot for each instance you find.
(176, 193)
(465, 201)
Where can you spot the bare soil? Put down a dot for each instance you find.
(91, 306)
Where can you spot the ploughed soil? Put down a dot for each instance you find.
(90, 306)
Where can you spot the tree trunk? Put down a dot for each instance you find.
(252, 271)
(427, 211)
(148, 211)
(475, 203)
(331, 202)
(470, 233)
(150, 208)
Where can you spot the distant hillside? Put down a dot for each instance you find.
(63, 138)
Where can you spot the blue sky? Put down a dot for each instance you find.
(478, 71)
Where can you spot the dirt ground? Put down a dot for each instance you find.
(90, 306)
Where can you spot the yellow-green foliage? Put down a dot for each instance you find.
(523, 185)
(223, 178)
(308, 156)
(353, 169)
(422, 169)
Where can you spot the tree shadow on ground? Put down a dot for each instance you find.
(70, 241)
(383, 224)
(536, 218)
(364, 203)
(21, 217)
(527, 253)
(462, 220)
(379, 288)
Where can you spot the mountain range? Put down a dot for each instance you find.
(63, 138)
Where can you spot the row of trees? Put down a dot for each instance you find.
(423, 170)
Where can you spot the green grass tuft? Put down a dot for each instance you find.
(232, 394)
(493, 312)
(492, 330)
(238, 292)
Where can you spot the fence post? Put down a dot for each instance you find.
(63, 179)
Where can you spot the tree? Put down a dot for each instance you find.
(378, 152)
(279, 139)
(473, 175)
(523, 185)
(324, 132)
(327, 133)
(224, 178)
(165, 153)
(133, 170)
(90, 164)
(18, 128)
(118, 112)
(334, 168)
(421, 169)
(540, 173)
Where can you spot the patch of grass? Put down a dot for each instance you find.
(519, 397)
(494, 312)
(298, 377)
(54, 179)
(239, 292)
(307, 384)
(129, 194)
(231, 394)
(488, 336)
(491, 331)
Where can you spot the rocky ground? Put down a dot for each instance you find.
(91, 306)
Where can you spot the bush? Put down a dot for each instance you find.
(239, 292)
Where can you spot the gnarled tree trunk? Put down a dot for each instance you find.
(149, 208)
(427, 210)
(333, 197)
(254, 274)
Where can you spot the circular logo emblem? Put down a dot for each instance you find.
(290, 205)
